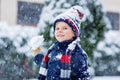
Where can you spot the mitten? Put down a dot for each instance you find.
(35, 44)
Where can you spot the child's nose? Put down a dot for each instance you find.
(60, 30)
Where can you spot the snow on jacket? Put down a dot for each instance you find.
(79, 65)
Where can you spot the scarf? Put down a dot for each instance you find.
(64, 59)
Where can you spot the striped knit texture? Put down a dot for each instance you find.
(65, 60)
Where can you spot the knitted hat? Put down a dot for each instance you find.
(73, 17)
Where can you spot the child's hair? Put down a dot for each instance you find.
(73, 17)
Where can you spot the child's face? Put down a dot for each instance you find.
(63, 32)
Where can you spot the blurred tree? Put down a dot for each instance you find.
(92, 31)
(13, 64)
(107, 55)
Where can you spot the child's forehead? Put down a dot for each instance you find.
(62, 24)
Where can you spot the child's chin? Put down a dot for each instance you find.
(61, 40)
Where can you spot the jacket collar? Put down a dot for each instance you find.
(64, 44)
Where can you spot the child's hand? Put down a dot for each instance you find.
(35, 44)
(36, 51)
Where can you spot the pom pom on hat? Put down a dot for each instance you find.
(73, 17)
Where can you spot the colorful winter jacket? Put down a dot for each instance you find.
(79, 65)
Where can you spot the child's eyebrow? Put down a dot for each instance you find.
(64, 26)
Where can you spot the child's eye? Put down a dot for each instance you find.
(56, 28)
(65, 28)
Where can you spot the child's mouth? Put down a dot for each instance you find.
(60, 35)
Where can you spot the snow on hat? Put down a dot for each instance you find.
(73, 17)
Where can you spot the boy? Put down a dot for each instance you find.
(65, 60)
